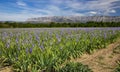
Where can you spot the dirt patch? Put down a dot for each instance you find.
(6, 69)
(103, 60)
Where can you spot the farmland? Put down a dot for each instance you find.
(47, 49)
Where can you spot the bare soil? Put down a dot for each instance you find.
(103, 60)
(6, 69)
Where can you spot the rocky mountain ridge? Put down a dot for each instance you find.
(74, 19)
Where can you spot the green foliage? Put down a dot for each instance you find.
(117, 50)
(55, 24)
(75, 67)
(47, 50)
(118, 67)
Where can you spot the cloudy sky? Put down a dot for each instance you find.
(20, 10)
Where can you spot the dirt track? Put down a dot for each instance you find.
(103, 60)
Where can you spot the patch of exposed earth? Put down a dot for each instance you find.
(103, 60)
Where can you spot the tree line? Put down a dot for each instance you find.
(54, 24)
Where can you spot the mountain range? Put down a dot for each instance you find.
(74, 19)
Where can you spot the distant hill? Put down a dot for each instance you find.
(70, 19)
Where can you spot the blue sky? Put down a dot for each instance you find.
(20, 10)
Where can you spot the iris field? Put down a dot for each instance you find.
(46, 50)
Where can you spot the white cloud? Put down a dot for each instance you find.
(69, 7)
(93, 12)
(96, 5)
(58, 11)
(17, 16)
(113, 11)
(20, 3)
(36, 12)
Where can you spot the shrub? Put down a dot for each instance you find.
(75, 67)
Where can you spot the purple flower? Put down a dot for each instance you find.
(16, 40)
(58, 38)
(5, 34)
(11, 34)
(37, 38)
(105, 35)
(30, 50)
(42, 47)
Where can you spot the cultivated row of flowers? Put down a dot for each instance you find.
(46, 50)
